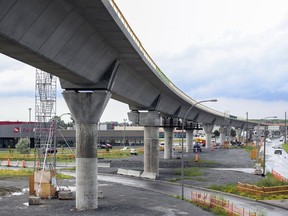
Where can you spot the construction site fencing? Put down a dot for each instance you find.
(213, 201)
(279, 176)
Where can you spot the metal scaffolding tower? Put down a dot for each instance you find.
(45, 121)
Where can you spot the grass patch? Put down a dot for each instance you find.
(285, 147)
(27, 172)
(229, 188)
(63, 176)
(249, 148)
(189, 173)
(19, 172)
(270, 181)
(65, 155)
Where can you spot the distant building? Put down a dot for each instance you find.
(12, 131)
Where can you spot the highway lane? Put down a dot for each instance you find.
(276, 162)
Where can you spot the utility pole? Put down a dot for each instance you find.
(285, 138)
(246, 128)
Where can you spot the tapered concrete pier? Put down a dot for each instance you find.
(86, 108)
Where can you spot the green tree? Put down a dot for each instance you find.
(216, 133)
(233, 132)
(22, 146)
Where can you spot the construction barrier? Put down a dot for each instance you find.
(253, 189)
(23, 164)
(214, 201)
(196, 157)
(226, 144)
(279, 176)
(254, 153)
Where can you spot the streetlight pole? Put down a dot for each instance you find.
(30, 126)
(246, 128)
(264, 156)
(182, 148)
(264, 147)
(285, 138)
(124, 131)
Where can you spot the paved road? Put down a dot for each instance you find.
(119, 200)
(175, 190)
(276, 162)
(172, 189)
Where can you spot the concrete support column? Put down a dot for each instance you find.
(222, 131)
(86, 108)
(168, 148)
(189, 140)
(151, 148)
(239, 132)
(208, 130)
(151, 122)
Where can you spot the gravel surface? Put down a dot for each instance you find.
(207, 163)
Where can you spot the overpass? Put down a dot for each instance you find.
(90, 46)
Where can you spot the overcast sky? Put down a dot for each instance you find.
(232, 50)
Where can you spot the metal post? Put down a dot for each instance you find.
(264, 156)
(124, 131)
(285, 139)
(246, 128)
(30, 126)
(182, 148)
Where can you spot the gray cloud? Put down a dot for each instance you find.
(251, 67)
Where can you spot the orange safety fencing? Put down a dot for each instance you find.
(213, 202)
(279, 176)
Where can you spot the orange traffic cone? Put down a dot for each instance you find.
(196, 157)
(23, 163)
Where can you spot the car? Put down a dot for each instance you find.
(278, 151)
(109, 145)
(102, 146)
(125, 148)
(50, 150)
(133, 151)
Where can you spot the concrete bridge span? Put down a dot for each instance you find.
(89, 45)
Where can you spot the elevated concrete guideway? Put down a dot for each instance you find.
(90, 46)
